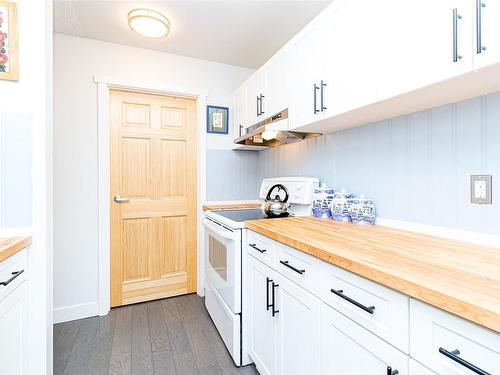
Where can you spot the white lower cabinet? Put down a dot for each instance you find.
(261, 323)
(417, 368)
(13, 313)
(349, 349)
(299, 328)
(284, 323)
(450, 345)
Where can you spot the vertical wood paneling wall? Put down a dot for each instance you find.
(416, 167)
(232, 175)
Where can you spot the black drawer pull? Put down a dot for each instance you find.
(341, 294)
(254, 246)
(268, 305)
(274, 311)
(390, 371)
(286, 264)
(15, 274)
(454, 355)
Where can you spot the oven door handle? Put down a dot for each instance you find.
(227, 234)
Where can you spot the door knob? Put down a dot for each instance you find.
(119, 199)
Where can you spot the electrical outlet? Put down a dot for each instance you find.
(480, 189)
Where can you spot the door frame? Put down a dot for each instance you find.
(104, 85)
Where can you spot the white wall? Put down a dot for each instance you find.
(15, 170)
(31, 95)
(76, 61)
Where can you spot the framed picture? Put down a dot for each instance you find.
(217, 119)
(9, 62)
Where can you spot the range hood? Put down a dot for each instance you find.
(272, 132)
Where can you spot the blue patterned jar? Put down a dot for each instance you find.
(322, 199)
(363, 210)
(341, 206)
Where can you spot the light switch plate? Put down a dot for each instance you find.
(480, 189)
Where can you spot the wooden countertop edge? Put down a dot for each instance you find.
(466, 310)
(229, 206)
(14, 245)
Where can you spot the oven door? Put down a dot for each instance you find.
(223, 262)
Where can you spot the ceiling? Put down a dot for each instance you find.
(244, 33)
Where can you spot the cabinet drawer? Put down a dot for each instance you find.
(436, 335)
(262, 248)
(349, 349)
(377, 308)
(416, 368)
(299, 267)
(10, 269)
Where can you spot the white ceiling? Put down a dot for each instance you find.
(244, 33)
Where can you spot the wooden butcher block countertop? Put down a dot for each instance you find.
(458, 277)
(11, 245)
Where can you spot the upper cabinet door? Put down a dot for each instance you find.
(486, 14)
(240, 112)
(306, 60)
(276, 78)
(350, 39)
(423, 42)
(255, 99)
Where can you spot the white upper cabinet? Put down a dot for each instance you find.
(276, 73)
(423, 42)
(361, 61)
(255, 99)
(486, 32)
(352, 34)
(308, 57)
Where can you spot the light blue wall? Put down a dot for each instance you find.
(15, 170)
(415, 167)
(232, 175)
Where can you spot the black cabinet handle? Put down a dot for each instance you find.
(323, 85)
(456, 17)
(341, 294)
(268, 281)
(274, 311)
(479, 6)
(390, 371)
(15, 274)
(286, 264)
(316, 88)
(254, 246)
(454, 355)
(258, 107)
(261, 104)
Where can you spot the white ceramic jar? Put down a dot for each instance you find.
(341, 206)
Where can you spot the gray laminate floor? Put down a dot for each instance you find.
(169, 336)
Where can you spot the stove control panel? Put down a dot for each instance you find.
(300, 189)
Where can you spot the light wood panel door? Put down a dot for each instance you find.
(153, 170)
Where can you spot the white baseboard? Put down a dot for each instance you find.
(74, 312)
(483, 239)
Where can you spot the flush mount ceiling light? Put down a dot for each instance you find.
(148, 23)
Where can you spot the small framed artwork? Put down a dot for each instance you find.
(9, 63)
(217, 119)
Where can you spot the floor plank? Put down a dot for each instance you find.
(101, 352)
(63, 344)
(141, 341)
(162, 356)
(120, 362)
(169, 336)
(79, 357)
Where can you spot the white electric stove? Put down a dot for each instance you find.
(225, 235)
